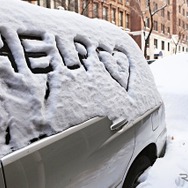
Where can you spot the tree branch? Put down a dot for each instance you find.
(153, 13)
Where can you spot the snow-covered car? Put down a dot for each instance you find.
(78, 104)
(150, 61)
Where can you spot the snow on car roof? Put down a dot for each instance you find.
(58, 69)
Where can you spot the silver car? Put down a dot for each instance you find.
(79, 106)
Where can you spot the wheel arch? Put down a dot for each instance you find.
(150, 151)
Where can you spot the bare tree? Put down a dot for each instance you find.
(177, 39)
(147, 15)
(85, 6)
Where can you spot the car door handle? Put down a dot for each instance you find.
(119, 125)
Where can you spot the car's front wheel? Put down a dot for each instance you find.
(137, 168)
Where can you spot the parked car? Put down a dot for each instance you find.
(79, 107)
(150, 61)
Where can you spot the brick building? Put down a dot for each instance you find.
(169, 33)
(160, 43)
(114, 11)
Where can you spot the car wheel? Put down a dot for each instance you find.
(138, 167)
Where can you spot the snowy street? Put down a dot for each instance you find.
(171, 171)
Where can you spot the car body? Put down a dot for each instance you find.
(79, 107)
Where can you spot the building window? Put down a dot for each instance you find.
(155, 43)
(168, 15)
(183, 24)
(45, 3)
(168, 46)
(179, 22)
(67, 5)
(148, 44)
(84, 8)
(114, 15)
(162, 28)
(155, 6)
(121, 18)
(168, 30)
(162, 45)
(73, 5)
(105, 13)
(163, 12)
(183, 12)
(179, 8)
(95, 10)
(127, 21)
(155, 26)
(148, 22)
(56, 4)
(146, 3)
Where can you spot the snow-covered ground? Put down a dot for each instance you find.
(171, 171)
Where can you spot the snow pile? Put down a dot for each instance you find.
(171, 75)
(58, 69)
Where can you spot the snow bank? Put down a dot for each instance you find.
(171, 74)
(58, 69)
(171, 77)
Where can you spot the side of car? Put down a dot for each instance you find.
(150, 143)
(87, 155)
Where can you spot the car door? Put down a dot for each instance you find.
(87, 155)
(2, 185)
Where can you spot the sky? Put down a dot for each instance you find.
(171, 171)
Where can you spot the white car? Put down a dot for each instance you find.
(79, 107)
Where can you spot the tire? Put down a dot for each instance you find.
(137, 168)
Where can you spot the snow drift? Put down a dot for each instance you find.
(171, 171)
